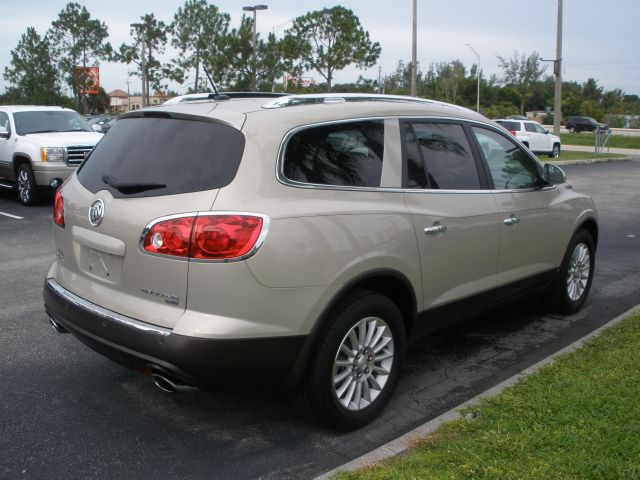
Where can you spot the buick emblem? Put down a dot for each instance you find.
(96, 212)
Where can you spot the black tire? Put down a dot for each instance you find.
(318, 395)
(572, 130)
(555, 153)
(560, 298)
(27, 188)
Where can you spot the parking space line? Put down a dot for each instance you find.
(11, 216)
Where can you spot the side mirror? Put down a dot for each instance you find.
(97, 128)
(4, 133)
(546, 131)
(553, 174)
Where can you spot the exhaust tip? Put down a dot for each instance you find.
(163, 383)
(171, 386)
(57, 327)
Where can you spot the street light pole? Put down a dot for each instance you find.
(414, 52)
(143, 62)
(478, 74)
(254, 9)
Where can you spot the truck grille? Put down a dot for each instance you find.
(77, 154)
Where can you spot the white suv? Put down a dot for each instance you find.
(534, 136)
(40, 147)
(306, 241)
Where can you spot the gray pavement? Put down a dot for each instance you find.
(66, 412)
(622, 151)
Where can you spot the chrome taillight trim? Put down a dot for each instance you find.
(103, 312)
(266, 221)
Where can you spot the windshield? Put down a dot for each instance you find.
(50, 121)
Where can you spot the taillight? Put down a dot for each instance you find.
(513, 132)
(58, 209)
(209, 237)
(170, 237)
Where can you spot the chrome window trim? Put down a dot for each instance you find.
(315, 186)
(104, 313)
(319, 186)
(266, 221)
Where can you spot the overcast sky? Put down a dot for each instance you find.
(601, 39)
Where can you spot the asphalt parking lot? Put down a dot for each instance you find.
(66, 412)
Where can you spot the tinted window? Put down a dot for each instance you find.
(172, 156)
(509, 166)
(49, 121)
(344, 154)
(515, 126)
(439, 157)
(530, 127)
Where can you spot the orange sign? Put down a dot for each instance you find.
(88, 80)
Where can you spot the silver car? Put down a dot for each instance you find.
(305, 241)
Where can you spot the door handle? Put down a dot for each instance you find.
(512, 220)
(435, 229)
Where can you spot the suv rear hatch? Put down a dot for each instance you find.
(150, 165)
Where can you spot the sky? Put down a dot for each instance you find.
(600, 39)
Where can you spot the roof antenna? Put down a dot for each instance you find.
(215, 89)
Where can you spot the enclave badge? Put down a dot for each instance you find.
(96, 212)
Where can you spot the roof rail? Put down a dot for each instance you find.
(307, 99)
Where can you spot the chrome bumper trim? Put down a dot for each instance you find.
(103, 312)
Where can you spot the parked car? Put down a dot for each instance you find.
(40, 147)
(533, 135)
(305, 241)
(583, 124)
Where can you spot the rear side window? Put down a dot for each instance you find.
(439, 157)
(142, 157)
(343, 154)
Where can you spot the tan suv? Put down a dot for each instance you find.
(305, 241)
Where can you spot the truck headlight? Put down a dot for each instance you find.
(52, 154)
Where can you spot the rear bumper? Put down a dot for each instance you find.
(203, 362)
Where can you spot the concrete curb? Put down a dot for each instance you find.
(403, 443)
(560, 163)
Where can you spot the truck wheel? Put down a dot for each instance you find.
(555, 153)
(27, 189)
(355, 366)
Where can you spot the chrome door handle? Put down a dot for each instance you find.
(512, 220)
(435, 229)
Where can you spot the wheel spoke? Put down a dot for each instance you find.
(350, 392)
(343, 388)
(357, 395)
(383, 343)
(341, 376)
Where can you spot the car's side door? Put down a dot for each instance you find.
(453, 212)
(532, 227)
(536, 140)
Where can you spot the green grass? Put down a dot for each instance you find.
(578, 418)
(588, 139)
(566, 155)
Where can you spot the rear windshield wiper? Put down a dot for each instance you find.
(131, 187)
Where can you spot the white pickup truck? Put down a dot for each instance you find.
(40, 147)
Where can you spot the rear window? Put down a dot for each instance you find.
(511, 126)
(343, 154)
(142, 157)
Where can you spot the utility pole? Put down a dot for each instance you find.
(557, 70)
(414, 52)
(478, 73)
(254, 9)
